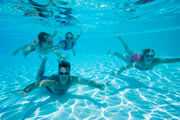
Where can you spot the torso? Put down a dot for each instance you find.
(60, 88)
(131, 58)
(142, 66)
(67, 46)
(45, 50)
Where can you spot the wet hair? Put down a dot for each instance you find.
(42, 37)
(66, 65)
(148, 51)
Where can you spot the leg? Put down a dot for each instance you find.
(120, 56)
(125, 46)
(38, 84)
(26, 49)
(124, 68)
(59, 55)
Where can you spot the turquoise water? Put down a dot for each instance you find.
(139, 95)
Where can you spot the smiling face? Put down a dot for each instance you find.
(63, 75)
(64, 71)
(64, 68)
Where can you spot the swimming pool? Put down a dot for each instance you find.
(134, 95)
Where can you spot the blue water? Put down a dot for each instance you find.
(139, 95)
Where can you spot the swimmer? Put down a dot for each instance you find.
(146, 60)
(59, 83)
(69, 42)
(43, 44)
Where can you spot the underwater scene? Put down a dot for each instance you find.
(90, 60)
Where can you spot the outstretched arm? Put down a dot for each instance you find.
(168, 60)
(26, 49)
(87, 82)
(41, 70)
(120, 56)
(18, 50)
(128, 50)
(38, 84)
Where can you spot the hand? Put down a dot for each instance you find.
(22, 93)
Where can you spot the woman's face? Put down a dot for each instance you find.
(148, 58)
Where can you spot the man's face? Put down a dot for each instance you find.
(63, 70)
(63, 75)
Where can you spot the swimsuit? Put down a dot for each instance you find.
(66, 47)
(133, 58)
(56, 89)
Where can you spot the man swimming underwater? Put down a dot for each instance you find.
(61, 82)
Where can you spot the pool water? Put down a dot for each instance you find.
(133, 95)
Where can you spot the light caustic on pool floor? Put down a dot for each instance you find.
(133, 95)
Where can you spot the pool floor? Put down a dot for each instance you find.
(134, 95)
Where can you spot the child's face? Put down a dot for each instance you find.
(69, 36)
(148, 58)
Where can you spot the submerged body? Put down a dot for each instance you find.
(43, 45)
(68, 43)
(141, 61)
(59, 83)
